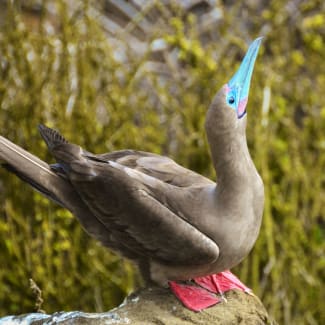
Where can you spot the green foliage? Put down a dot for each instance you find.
(73, 79)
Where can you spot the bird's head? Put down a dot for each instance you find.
(229, 105)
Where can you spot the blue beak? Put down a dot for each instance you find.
(239, 84)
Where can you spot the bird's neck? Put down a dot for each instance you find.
(232, 161)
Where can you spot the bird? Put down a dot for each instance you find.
(183, 230)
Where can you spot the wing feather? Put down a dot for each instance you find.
(160, 167)
(129, 193)
(153, 229)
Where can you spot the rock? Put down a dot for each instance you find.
(159, 306)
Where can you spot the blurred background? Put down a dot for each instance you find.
(140, 74)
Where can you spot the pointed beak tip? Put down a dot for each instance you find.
(254, 47)
(259, 39)
(244, 73)
(257, 42)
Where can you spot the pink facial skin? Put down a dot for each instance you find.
(241, 107)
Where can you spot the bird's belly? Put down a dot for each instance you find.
(233, 249)
(235, 242)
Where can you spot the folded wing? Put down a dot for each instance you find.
(126, 192)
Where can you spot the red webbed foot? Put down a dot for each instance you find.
(203, 293)
(193, 297)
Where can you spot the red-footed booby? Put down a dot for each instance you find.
(182, 229)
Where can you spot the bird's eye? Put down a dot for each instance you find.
(231, 100)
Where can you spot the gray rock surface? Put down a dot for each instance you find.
(159, 306)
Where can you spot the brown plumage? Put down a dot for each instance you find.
(175, 223)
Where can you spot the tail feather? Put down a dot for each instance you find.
(36, 185)
(51, 137)
(40, 176)
(35, 172)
